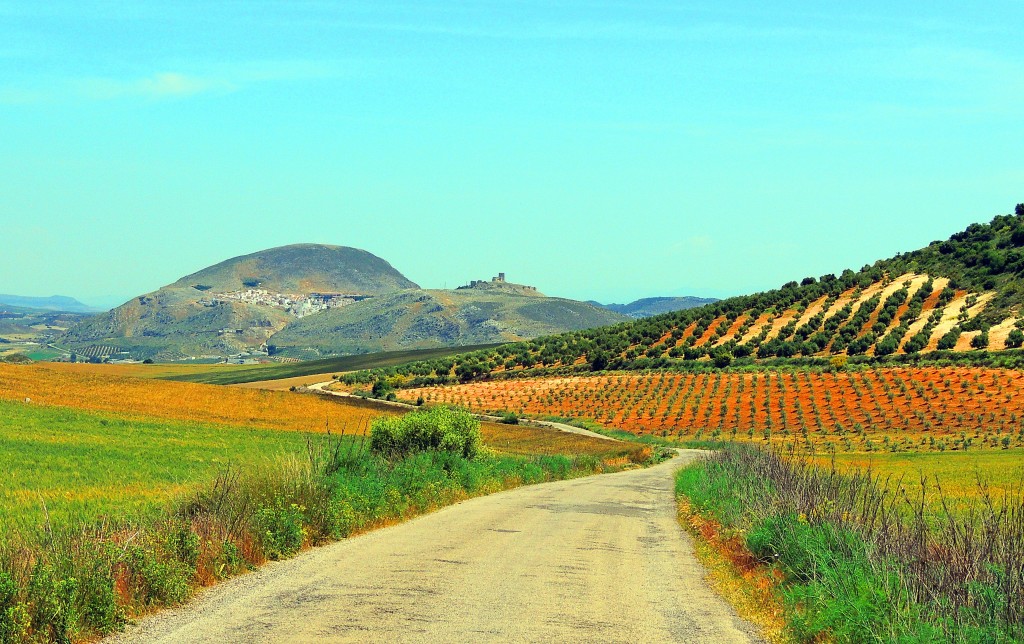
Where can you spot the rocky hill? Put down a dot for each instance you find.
(312, 301)
(236, 305)
(301, 269)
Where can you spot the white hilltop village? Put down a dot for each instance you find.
(298, 305)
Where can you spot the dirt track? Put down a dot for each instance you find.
(594, 559)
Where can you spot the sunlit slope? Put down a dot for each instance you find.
(957, 296)
(422, 319)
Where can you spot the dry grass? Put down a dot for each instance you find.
(90, 389)
(95, 389)
(284, 384)
(142, 370)
(522, 439)
(749, 587)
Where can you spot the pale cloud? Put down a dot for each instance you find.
(162, 85)
(19, 96)
(595, 30)
(696, 244)
(218, 79)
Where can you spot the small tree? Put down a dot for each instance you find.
(722, 359)
(382, 389)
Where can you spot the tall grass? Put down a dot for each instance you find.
(862, 562)
(67, 582)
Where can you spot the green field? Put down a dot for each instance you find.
(963, 476)
(237, 375)
(104, 518)
(87, 464)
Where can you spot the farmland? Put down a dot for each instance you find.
(224, 374)
(868, 410)
(89, 443)
(957, 478)
(81, 464)
(221, 375)
(87, 387)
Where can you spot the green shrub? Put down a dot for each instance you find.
(229, 562)
(280, 530)
(14, 616)
(157, 581)
(99, 600)
(804, 552)
(948, 341)
(52, 598)
(185, 545)
(441, 428)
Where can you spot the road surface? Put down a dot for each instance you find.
(598, 559)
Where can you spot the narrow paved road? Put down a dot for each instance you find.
(599, 559)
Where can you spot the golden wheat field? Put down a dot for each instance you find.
(93, 389)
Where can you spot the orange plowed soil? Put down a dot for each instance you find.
(912, 408)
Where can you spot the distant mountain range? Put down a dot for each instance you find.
(52, 303)
(315, 300)
(650, 306)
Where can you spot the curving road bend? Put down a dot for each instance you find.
(598, 559)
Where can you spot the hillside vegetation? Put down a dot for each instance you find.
(421, 319)
(952, 297)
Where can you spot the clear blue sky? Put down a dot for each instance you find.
(605, 150)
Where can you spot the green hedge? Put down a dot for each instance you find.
(442, 428)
